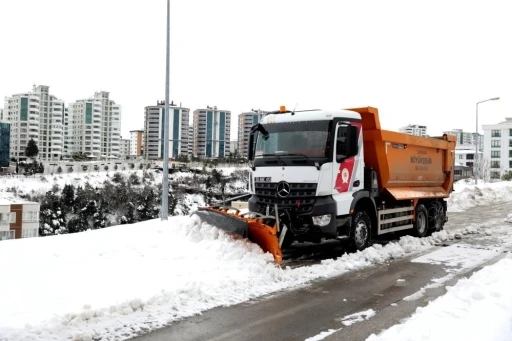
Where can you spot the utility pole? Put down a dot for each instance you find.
(165, 121)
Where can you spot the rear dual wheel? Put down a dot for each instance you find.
(421, 221)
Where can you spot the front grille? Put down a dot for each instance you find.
(301, 198)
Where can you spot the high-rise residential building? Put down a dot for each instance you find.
(212, 130)
(110, 125)
(136, 142)
(233, 148)
(124, 148)
(51, 128)
(466, 139)
(22, 112)
(498, 147)
(245, 122)
(67, 124)
(84, 127)
(414, 129)
(154, 131)
(191, 140)
(5, 138)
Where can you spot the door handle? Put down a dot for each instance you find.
(356, 183)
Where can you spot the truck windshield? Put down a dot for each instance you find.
(309, 138)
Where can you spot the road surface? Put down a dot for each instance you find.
(386, 289)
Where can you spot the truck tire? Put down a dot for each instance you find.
(360, 232)
(421, 221)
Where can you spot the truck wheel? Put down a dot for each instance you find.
(360, 231)
(421, 221)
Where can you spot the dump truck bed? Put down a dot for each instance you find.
(407, 166)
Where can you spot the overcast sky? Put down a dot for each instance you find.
(424, 62)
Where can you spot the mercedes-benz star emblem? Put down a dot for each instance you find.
(283, 189)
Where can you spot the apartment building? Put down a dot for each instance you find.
(245, 122)
(18, 219)
(136, 142)
(84, 127)
(191, 140)
(498, 147)
(414, 129)
(124, 145)
(212, 130)
(51, 128)
(22, 112)
(5, 136)
(154, 131)
(467, 139)
(110, 125)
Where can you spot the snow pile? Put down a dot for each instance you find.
(508, 219)
(357, 317)
(119, 282)
(478, 308)
(467, 196)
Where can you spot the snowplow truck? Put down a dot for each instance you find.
(319, 175)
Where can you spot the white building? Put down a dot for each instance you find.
(212, 130)
(414, 129)
(22, 112)
(110, 125)
(498, 147)
(51, 124)
(154, 132)
(466, 139)
(233, 147)
(18, 219)
(190, 140)
(125, 148)
(136, 142)
(84, 127)
(245, 122)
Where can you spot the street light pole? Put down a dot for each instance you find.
(475, 173)
(165, 164)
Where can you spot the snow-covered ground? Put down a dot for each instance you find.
(478, 308)
(466, 195)
(125, 279)
(117, 282)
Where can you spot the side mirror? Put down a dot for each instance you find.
(251, 149)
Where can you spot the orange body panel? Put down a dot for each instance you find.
(408, 167)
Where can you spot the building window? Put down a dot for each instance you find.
(510, 132)
(3, 218)
(495, 143)
(28, 233)
(495, 133)
(30, 216)
(495, 175)
(5, 235)
(12, 217)
(495, 164)
(495, 154)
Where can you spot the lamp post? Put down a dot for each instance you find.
(165, 164)
(476, 138)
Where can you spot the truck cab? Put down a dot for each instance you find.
(308, 170)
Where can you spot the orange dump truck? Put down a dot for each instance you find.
(321, 174)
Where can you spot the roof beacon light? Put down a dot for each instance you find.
(282, 108)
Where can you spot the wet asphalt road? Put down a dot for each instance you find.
(320, 306)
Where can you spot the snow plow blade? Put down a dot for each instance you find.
(247, 225)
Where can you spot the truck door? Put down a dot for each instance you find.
(348, 170)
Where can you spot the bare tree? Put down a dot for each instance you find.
(484, 169)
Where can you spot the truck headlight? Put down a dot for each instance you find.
(322, 220)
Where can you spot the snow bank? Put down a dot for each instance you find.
(118, 282)
(478, 308)
(467, 195)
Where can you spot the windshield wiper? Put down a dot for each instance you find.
(301, 154)
(277, 157)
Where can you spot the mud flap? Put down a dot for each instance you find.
(247, 227)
